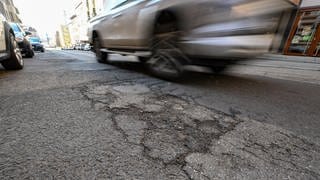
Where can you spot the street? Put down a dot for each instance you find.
(65, 116)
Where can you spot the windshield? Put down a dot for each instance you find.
(15, 27)
(34, 40)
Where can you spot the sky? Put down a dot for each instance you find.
(44, 15)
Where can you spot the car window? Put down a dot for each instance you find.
(120, 3)
(15, 27)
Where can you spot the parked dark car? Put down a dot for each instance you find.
(36, 44)
(22, 39)
(10, 55)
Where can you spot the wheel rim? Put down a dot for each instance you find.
(163, 62)
(166, 52)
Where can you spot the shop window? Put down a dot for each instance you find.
(305, 39)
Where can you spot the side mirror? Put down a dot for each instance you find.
(28, 33)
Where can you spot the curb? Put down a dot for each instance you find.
(285, 58)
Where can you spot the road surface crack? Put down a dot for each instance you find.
(167, 127)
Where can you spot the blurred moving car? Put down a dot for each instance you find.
(10, 55)
(36, 44)
(22, 39)
(171, 35)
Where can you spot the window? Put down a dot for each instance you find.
(15, 27)
(112, 4)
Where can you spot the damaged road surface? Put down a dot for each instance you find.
(122, 128)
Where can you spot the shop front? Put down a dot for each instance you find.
(304, 39)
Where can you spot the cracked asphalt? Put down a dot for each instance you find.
(67, 117)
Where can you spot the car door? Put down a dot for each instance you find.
(105, 23)
(126, 30)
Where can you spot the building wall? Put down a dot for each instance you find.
(78, 18)
(78, 22)
(94, 7)
(65, 39)
(10, 11)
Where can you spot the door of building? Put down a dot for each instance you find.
(304, 39)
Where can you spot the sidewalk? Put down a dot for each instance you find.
(294, 68)
(286, 58)
(286, 62)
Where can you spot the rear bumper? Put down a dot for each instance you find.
(247, 46)
(24, 47)
(37, 48)
(243, 30)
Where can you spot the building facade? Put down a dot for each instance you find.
(9, 10)
(304, 38)
(65, 37)
(77, 21)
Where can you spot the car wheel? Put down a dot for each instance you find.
(30, 54)
(167, 59)
(102, 57)
(15, 62)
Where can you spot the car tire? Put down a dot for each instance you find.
(30, 54)
(102, 57)
(15, 62)
(167, 60)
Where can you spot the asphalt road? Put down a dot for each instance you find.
(67, 117)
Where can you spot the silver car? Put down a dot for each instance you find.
(171, 36)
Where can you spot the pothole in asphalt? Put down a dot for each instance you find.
(134, 89)
(167, 127)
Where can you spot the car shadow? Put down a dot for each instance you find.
(200, 79)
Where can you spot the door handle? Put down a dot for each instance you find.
(116, 15)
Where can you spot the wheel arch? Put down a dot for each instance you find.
(94, 34)
(8, 31)
(168, 15)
